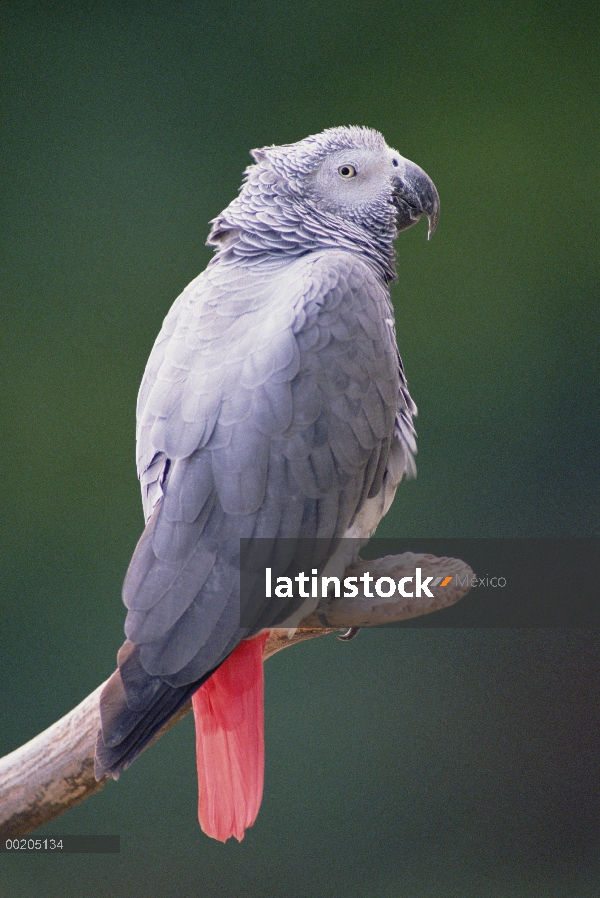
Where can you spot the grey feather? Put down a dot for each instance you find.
(274, 404)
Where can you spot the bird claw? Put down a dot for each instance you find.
(350, 633)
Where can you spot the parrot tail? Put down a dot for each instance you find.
(230, 747)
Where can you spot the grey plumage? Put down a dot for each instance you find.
(274, 404)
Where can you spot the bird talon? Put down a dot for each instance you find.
(350, 633)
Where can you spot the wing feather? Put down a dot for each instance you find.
(274, 404)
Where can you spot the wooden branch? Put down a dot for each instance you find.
(55, 770)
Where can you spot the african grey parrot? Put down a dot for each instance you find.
(274, 404)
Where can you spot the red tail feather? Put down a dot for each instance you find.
(230, 745)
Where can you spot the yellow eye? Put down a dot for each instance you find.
(346, 171)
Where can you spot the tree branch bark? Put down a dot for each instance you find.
(55, 771)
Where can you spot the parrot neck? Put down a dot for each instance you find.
(274, 225)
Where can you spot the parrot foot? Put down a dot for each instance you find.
(349, 634)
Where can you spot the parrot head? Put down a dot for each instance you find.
(342, 188)
(353, 174)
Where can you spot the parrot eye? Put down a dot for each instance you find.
(346, 171)
(395, 162)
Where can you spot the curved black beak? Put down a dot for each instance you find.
(415, 195)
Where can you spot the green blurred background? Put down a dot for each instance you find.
(414, 764)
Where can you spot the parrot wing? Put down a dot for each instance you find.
(273, 405)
